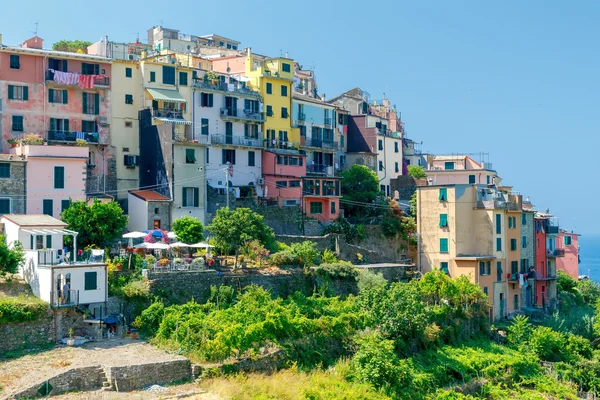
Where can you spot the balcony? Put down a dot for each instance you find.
(224, 87)
(555, 253)
(278, 146)
(64, 298)
(242, 115)
(497, 205)
(319, 169)
(167, 113)
(188, 137)
(327, 122)
(513, 276)
(99, 81)
(235, 140)
(72, 137)
(319, 143)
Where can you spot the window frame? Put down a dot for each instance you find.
(3, 168)
(129, 99)
(15, 61)
(128, 72)
(58, 168)
(444, 245)
(318, 207)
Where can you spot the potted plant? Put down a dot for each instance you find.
(70, 340)
(178, 262)
(32, 139)
(150, 260)
(81, 142)
(198, 262)
(14, 142)
(163, 262)
(212, 77)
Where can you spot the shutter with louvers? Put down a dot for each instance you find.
(233, 156)
(96, 103)
(84, 102)
(90, 281)
(52, 124)
(11, 92)
(59, 177)
(96, 69)
(65, 96)
(210, 99)
(50, 95)
(196, 197)
(25, 92)
(48, 241)
(65, 65)
(66, 125)
(224, 153)
(183, 198)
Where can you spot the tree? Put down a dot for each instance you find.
(416, 172)
(98, 224)
(359, 185)
(72, 46)
(10, 257)
(413, 205)
(188, 230)
(233, 228)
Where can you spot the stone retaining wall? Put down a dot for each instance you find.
(16, 336)
(322, 242)
(132, 377)
(76, 379)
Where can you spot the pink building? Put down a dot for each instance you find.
(455, 170)
(568, 243)
(55, 176)
(63, 97)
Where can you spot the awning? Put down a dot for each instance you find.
(52, 231)
(166, 95)
(216, 186)
(241, 78)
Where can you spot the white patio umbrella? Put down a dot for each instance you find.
(133, 235)
(171, 235)
(141, 246)
(157, 246)
(201, 245)
(180, 244)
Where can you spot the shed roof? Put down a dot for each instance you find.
(148, 195)
(34, 220)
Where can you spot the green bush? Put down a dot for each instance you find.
(136, 289)
(519, 331)
(578, 346)
(339, 270)
(375, 361)
(368, 280)
(328, 257)
(307, 252)
(149, 321)
(284, 258)
(547, 344)
(21, 309)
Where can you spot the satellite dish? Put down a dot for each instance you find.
(189, 47)
(228, 69)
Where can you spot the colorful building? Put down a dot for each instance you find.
(544, 272)
(460, 169)
(567, 243)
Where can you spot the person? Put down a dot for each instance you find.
(66, 293)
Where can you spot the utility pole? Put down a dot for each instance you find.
(227, 183)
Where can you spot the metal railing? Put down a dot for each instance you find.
(167, 113)
(318, 169)
(50, 257)
(235, 140)
(71, 137)
(556, 253)
(64, 298)
(188, 137)
(282, 146)
(320, 143)
(327, 121)
(181, 267)
(497, 205)
(224, 87)
(240, 113)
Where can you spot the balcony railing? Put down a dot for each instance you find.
(190, 138)
(320, 143)
(556, 253)
(235, 140)
(319, 169)
(301, 117)
(167, 113)
(513, 276)
(64, 298)
(224, 87)
(71, 137)
(98, 80)
(552, 229)
(327, 121)
(239, 113)
(282, 146)
(497, 205)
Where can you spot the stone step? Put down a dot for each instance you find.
(106, 384)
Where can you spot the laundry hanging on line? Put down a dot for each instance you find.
(65, 78)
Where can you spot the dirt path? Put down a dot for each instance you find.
(24, 371)
(188, 391)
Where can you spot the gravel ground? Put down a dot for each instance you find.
(30, 369)
(188, 391)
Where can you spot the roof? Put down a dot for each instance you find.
(63, 54)
(168, 95)
(12, 157)
(356, 93)
(303, 97)
(34, 220)
(100, 196)
(148, 195)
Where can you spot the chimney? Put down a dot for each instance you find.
(248, 51)
(35, 42)
(323, 97)
(0, 39)
(287, 55)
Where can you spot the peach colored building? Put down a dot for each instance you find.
(56, 176)
(458, 170)
(41, 92)
(567, 245)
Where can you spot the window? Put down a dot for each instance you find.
(281, 184)
(524, 242)
(513, 244)
(443, 245)
(294, 184)
(204, 126)
(567, 240)
(251, 159)
(152, 76)
(91, 103)
(382, 188)
(190, 156)
(499, 271)
(59, 177)
(269, 88)
(128, 72)
(18, 92)
(444, 267)
(498, 244)
(284, 90)
(15, 61)
(183, 78)
(471, 179)
(485, 290)
(228, 156)
(128, 124)
(523, 219)
(64, 204)
(381, 165)
(380, 144)
(285, 67)
(498, 224)
(449, 165)
(510, 225)
(4, 206)
(90, 69)
(514, 267)
(342, 140)
(514, 222)
(443, 196)
(128, 99)
(91, 281)
(17, 123)
(269, 111)
(4, 170)
(443, 220)
(58, 96)
(156, 224)
(47, 207)
(89, 126)
(396, 150)
(284, 112)
(206, 99)
(396, 167)
(190, 197)
(488, 179)
(316, 207)
(333, 207)
(482, 269)
(168, 75)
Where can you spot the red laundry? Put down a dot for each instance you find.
(86, 81)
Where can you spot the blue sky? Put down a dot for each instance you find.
(517, 79)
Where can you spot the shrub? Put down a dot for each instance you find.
(199, 261)
(578, 346)
(150, 260)
(21, 309)
(346, 229)
(547, 344)
(149, 320)
(136, 290)
(328, 257)
(519, 331)
(368, 279)
(10, 257)
(177, 261)
(307, 252)
(375, 362)
(284, 258)
(339, 270)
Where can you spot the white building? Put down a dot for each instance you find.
(227, 117)
(47, 268)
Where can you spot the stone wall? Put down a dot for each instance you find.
(16, 336)
(132, 377)
(322, 242)
(163, 215)
(406, 186)
(75, 379)
(375, 248)
(14, 187)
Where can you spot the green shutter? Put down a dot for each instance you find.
(91, 281)
(48, 241)
(66, 125)
(210, 99)
(11, 92)
(96, 103)
(25, 92)
(443, 220)
(443, 245)
(59, 177)
(65, 96)
(52, 124)
(31, 242)
(50, 95)
(196, 197)
(183, 199)
(65, 65)
(443, 196)
(84, 102)
(64, 204)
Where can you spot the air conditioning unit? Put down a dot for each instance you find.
(224, 112)
(260, 181)
(103, 121)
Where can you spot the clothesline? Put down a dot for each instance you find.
(72, 78)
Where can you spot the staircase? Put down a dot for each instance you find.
(106, 384)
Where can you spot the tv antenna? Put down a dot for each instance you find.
(36, 29)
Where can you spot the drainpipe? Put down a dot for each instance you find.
(44, 63)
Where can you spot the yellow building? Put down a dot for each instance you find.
(514, 244)
(273, 78)
(463, 231)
